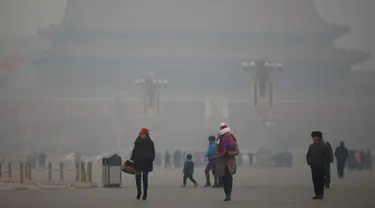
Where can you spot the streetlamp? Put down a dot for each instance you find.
(117, 114)
(263, 72)
(152, 93)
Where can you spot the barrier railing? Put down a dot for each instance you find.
(83, 172)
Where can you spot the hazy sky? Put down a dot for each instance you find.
(24, 17)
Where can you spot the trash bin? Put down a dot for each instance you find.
(111, 171)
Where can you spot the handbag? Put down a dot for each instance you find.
(128, 167)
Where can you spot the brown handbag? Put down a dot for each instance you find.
(128, 167)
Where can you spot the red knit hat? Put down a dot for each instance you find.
(144, 131)
(224, 129)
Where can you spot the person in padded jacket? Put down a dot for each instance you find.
(143, 156)
(211, 165)
(318, 155)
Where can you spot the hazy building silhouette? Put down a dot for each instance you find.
(199, 46)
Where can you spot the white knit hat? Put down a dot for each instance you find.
(224, 129)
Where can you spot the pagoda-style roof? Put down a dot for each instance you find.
(128, 37)
(281, 16)
(230, 49)
(205, 29)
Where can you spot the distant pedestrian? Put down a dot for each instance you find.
(369, 160)
(42, 159)
(317, 157)
(251, 159)
(327, 174)
(239, 160)
(364, 161)
(177, 158)
(226, 167)
(341, 154)
(143, 156)
(211, 165)
(358, 160)
(188, 171)
(158, 159)
(167, 160)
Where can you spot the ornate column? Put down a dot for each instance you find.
(263, 91)
(152, 94)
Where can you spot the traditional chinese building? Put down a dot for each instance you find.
(198, 45)
(105, 45)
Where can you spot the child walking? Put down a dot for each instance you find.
(189, 171)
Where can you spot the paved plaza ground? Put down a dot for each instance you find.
(254, 187)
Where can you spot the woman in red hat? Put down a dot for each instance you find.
(143, 156)
(226, 152)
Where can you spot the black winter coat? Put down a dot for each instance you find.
(318, 155)
(341, 154)
(143, 154)
(330, 152)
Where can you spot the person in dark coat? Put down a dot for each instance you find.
(42, 159)
(167, 160)
(363, 162)
(158, 159)
(177, 158)
(369, 160)
(317, 157)
(143, 156)
(226, 152)
(327, 175)
(188, 171)
(341, 154)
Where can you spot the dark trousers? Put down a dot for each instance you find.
(340, 169)
(327, 175)
(167, 164)
(318, 179)
(210, 167)
(220, 180)
(190, 177)
(139, 177)
(227, 181)
(368, 165)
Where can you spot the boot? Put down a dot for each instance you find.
(227, 198)
(145, 186)
(208, 183)
(319, 197)
(138, 183)
(144, 197)
(228, 193)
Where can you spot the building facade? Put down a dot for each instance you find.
(101, 47)
(197, 45)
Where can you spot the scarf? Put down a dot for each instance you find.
(225, 143)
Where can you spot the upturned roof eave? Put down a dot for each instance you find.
(330, 31)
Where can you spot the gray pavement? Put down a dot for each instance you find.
(268, 197)
(254, 187)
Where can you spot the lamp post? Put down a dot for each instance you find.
(117, 114)
(263, 92)
(151, 101)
